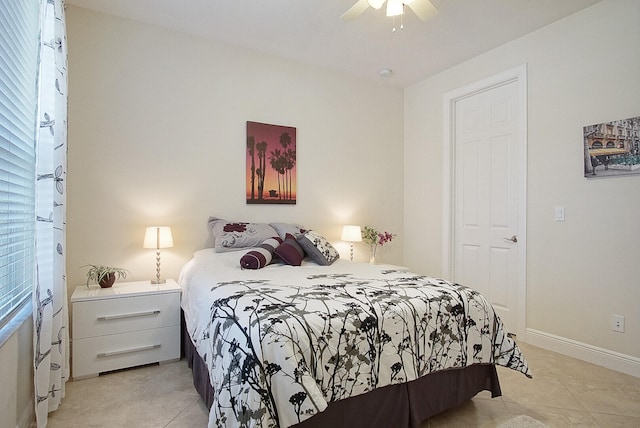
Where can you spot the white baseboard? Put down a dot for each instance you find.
(583, 351)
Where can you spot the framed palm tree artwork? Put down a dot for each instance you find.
(271, 164)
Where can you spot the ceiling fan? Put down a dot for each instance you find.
(424, 9)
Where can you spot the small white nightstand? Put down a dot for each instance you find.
(129, 324)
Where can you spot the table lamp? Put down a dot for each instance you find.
(351, 234)
(158, 237)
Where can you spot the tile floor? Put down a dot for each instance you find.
(564, 392)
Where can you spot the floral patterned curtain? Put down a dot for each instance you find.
(51, 334)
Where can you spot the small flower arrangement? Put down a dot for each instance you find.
(373, 238)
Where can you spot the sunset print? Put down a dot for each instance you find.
(271, 164)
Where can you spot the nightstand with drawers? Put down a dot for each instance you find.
(127, 325)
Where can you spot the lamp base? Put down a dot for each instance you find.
(158, 281)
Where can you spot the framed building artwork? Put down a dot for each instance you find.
(271, 164)
(611, 148)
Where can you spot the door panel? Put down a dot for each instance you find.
(486, 182)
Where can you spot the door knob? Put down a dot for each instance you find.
(514, 238)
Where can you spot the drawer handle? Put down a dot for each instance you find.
(127, 351)
(133, 315)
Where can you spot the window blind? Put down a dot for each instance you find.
(19, 51)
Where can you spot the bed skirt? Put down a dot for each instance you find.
(407, 404)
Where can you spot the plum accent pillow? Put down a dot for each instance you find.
(288, 228)
(231, 236)
(260, 256)
(318, 248)
(290, 251)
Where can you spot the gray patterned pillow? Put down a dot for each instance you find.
(318, 248)
(288, 228)
(231, 236)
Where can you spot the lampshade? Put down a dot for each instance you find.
(158, 237)
(351, 234)
(376, 4)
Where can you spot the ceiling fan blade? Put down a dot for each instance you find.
(423, 8)
(355, 11)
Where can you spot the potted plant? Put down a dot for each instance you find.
(105, 276)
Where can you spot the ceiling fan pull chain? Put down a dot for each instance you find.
(401, 23)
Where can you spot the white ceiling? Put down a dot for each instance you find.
(311, 32)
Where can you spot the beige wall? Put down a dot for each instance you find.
(16, 376)
(581, 70)
(157, 137)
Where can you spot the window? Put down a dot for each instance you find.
(19, 49)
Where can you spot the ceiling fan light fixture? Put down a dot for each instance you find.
(395, 7)
(423, 9)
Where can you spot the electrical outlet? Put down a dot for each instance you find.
(617, 323)
(559, 215)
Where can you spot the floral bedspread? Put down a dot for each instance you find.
(284, 341)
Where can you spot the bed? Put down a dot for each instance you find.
(344, 344)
